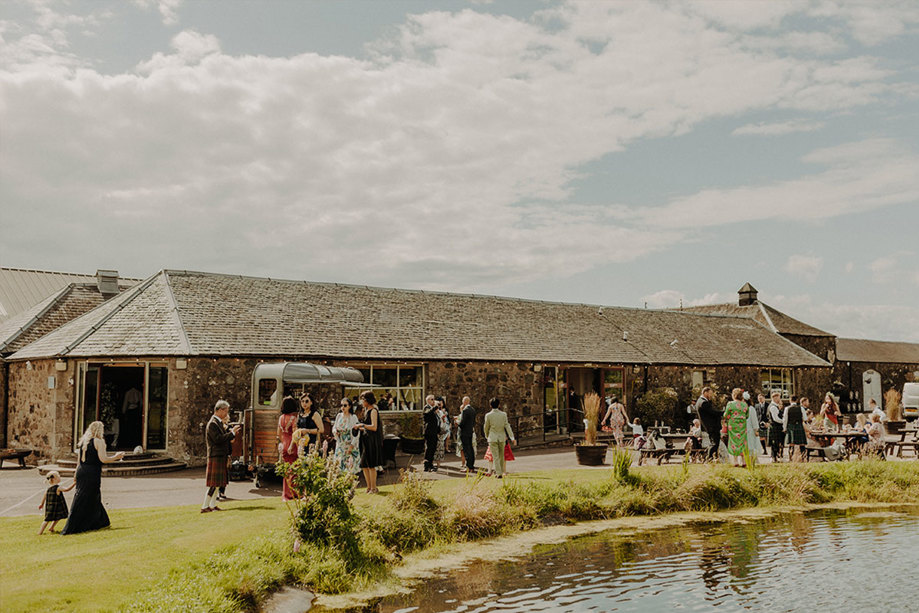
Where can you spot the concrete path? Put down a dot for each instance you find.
(21, 489)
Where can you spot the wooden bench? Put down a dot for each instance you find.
(14, 454)
(814, 449)
(646, 453)
(899, 446)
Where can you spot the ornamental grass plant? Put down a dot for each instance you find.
(592, 417)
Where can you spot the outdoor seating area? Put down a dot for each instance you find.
(663, 445)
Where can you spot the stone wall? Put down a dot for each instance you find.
(39, 417)
(847, 378)
(811, 382)
(514, 383)
(824, 347)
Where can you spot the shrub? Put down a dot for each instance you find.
(658, 405)
(414, 495)
(322, 512)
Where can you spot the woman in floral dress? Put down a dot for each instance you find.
(347, 445)
(735, 415)
(444, 418)
(616, 418)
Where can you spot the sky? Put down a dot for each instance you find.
(618, 153)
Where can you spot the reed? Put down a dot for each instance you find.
(592, 415)
(892, 402)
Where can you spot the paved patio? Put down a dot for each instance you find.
(21, 489)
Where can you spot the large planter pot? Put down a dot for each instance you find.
(411, 446)
(591, 455)
(895, 427)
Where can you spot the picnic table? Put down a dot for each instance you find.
(825, 439)
(896, 443)
(675, 446)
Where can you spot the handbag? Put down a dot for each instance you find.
(508, 454)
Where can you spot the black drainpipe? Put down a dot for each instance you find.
(4, 406)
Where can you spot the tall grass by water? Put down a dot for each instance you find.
(418, 515)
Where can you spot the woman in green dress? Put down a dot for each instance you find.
(735, 414)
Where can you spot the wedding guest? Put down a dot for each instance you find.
(431, 432)
(87, 512)
(347, 443)
(711, 419)
(443, 418)
(371, 441)
(793, 424)
(467, 440)
(310, 420)
(54, 503)
(616, 418)
(218, 438)
(776, 427)
(497, 433)
(830, 412)
(735, 416)
(287, 446)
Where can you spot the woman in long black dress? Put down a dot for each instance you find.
(87, 512)
(371, 441)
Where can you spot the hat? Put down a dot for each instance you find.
(52, 474)
(746, 395)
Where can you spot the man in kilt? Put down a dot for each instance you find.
(218, 448)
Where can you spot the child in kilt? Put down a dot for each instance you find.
(54, 503)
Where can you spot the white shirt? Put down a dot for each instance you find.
(637, 430)
(879, 412)
(775, 413)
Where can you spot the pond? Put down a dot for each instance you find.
(820, 561)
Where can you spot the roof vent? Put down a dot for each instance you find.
(107, 282)
(746, 295)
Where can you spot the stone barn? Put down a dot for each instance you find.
(151, 362)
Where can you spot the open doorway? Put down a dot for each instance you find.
(114, 395)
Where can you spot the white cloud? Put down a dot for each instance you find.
(672, 299)
(445, 160)
(807, 267)
(850, 266)
(896, 268)
(777, 129)
(872, 321)
(664, 299)
(168, 9)
(860, 177)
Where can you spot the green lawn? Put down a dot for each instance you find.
(106, 570)
(176, 559)
(100, 571)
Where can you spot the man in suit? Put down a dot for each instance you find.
(218, 448)
(711, 420)
(497, 431)
(467, 433)
(431, 432)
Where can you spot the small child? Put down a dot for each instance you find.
(54, 503)
(638, 434)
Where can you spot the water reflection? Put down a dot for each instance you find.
(797, 562)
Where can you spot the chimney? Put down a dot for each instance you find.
(746, 295)
(107, 282)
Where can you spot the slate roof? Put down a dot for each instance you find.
(861, 350)
(22, 289)
(770, 317)
(56, 310)
(192, 313)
